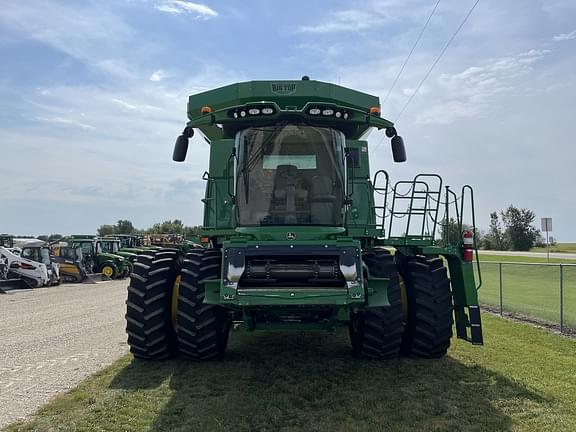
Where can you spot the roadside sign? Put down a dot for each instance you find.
(547, 224)
(547, 227)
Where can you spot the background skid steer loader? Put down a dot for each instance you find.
(18, 272)
(37, 250)
(71, 264)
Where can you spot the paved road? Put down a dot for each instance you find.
(52, 338)
(532, 254)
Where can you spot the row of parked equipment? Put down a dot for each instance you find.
(32, 263)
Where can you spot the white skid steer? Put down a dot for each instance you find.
(18, 272)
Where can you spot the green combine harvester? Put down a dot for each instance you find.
(299, 236)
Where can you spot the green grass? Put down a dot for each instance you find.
(526, 259)
(533, 290)
(560, 247)
(521, 380)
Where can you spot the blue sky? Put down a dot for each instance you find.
(94, 93)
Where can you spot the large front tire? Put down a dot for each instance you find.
(109, 270)
(149, 305)
(429, 325)
(202, 329)
(376, 332)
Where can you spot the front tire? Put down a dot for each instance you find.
(376, 332)
(429, 324)
(109, 270)
(149, 305)
(202, 329)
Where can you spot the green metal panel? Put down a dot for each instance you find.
(289, 99)
(286, 94)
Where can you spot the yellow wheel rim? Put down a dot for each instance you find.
(404, 297)
(175, 294)
(107, 271)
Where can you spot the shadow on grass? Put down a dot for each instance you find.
(312, 382)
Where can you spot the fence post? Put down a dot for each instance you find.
(561, 299)
(500, 275)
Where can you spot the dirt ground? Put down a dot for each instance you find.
(53, 338)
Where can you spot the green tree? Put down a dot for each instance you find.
(495, 238)
(106, 230)
(450, 232)
(123, 226)
(168, 227)
(520, 232)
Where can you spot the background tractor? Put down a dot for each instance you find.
(299, 235)
(113, 246)
(95, 260)
(135, 243)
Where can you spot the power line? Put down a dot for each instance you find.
(437, 60)
(411, 51)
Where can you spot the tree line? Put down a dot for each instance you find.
(510, 229)
(125, 226)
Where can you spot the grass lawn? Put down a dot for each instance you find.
(521, 380)
(529, 289)
(560, 247)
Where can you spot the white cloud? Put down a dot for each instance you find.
(470, 93)
(565, 36)
(82, 33)
(347, 20)
(67, 122)
(371, 15)
(178, 7)
(131, 107)
(159, 75)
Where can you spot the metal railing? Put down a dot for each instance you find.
(541, 292)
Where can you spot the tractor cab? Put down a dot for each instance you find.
(113, 246)
(110, 245)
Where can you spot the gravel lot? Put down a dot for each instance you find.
(53, 338)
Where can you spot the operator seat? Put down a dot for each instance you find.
(287, 192)
(322, 201)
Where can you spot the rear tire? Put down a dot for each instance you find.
(429, 325)
(376, 332)
(149, 305)
(203, 330)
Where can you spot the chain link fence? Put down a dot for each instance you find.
(545, 293)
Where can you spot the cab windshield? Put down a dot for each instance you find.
(110, 247)
(290, 175)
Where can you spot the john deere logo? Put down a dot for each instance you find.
(291, 236)
(283, 89)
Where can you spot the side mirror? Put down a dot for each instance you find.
(180, 149)
(398, 149)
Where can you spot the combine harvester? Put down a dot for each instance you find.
(298, 235)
